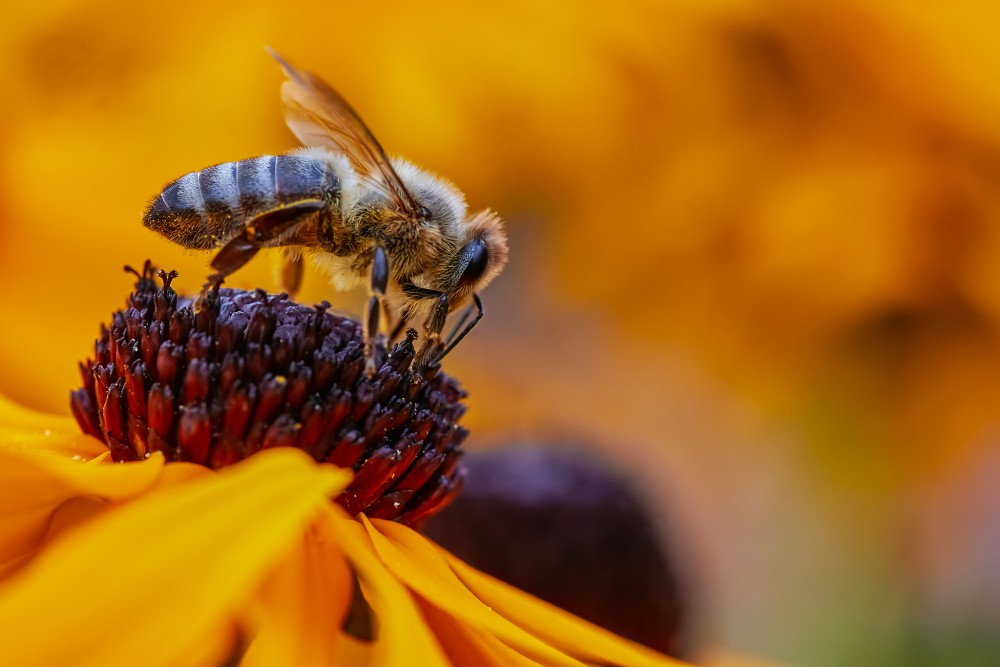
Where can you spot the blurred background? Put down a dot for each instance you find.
(754, 258)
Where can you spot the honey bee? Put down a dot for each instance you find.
(356, 212)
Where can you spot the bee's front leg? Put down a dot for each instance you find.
(432, 333)
(461, 328)
(379, 285)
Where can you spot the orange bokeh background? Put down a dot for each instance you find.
(754, 254)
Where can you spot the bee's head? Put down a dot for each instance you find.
(477, 261)
(465, 269)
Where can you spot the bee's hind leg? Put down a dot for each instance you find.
(262, 229)
(379, 285)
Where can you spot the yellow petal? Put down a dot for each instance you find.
(354, 652)
(43, 433)
(149, 583)
(585, 640)
(468, 645)
(33, 487)
(15, 414)
(482, 600)
(402, 638)
(70, 515)
(180, 472)
(303, 605)
(417, 563)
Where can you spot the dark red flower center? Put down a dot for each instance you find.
(238, 372)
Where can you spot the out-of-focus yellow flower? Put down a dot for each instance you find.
(165, 564)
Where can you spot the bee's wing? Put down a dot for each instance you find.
(319, 116)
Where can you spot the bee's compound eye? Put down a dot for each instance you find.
(423, 213)
(479, 259)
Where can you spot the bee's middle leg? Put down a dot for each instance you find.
(379, 285)
(292, 267)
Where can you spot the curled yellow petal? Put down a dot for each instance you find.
(402, 638)
(149, 583)
(70, 515)
(303, 604)
(180, 472)
(450, 584)
(587, 641)
(33, 487)
(468, 645)
(413, 559)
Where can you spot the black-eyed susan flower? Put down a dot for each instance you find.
(144, 545)
(245, 371)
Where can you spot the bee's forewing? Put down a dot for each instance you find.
(319, 116)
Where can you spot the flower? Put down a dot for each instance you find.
(243, 371)
(160, 561)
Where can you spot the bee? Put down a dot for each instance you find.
(361, 215)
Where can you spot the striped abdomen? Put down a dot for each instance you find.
(205, 208)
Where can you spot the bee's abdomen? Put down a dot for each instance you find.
(205, 208)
